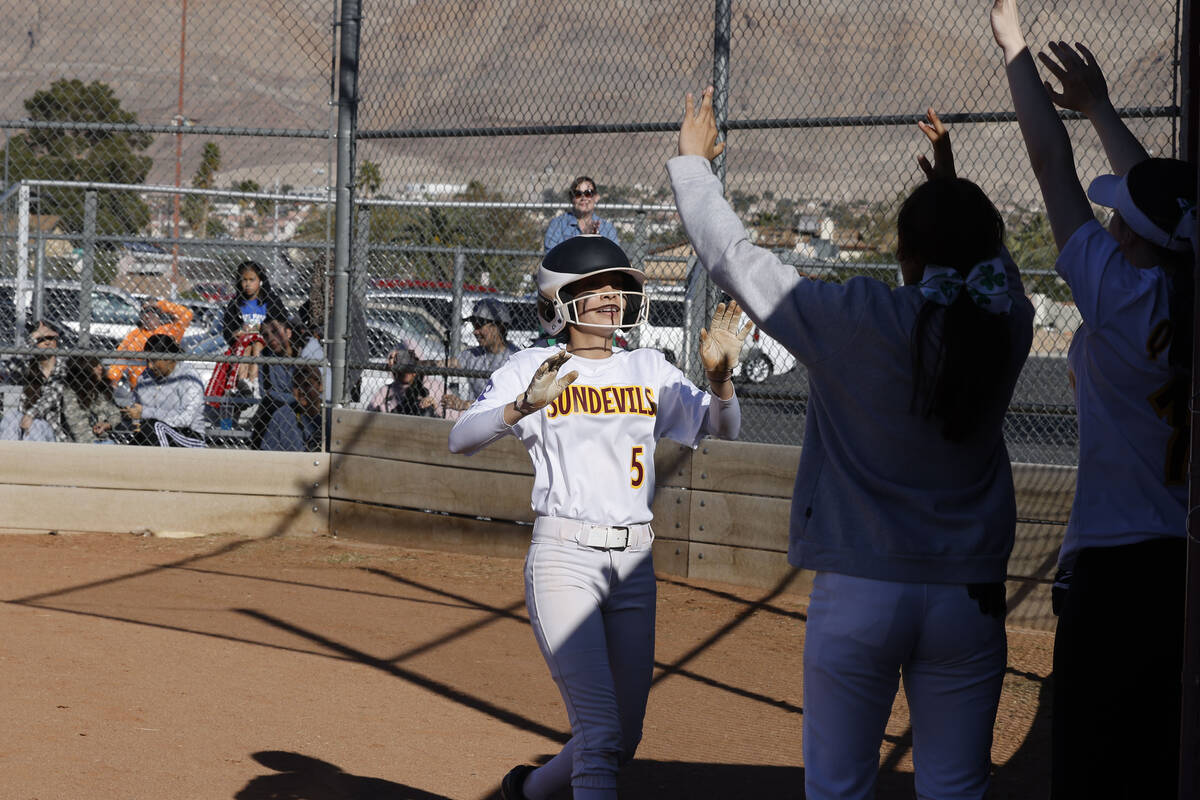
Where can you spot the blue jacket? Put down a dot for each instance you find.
(566, 225)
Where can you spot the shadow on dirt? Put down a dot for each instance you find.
(682, 780)
(300, 777)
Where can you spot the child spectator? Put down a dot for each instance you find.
(89, 413)
(168, 400)
(241, 326)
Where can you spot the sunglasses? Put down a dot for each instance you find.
(50, 338)
(478, 323)
(584, 193)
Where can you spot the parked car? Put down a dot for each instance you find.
(440, 305)
(114, 311)
(665, 329)
(763, 357)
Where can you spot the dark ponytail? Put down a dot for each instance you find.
(960, 353)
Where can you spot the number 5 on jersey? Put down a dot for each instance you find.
(636, 469)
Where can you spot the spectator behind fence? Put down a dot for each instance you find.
(489, 320)
(38, 416)
(582, 218)
(89, 413)
(284, 421)
(1121, 586)
(168, 406)
(904, 502)
(157, 317)
(254, 302)
(407, 392)
(45, 378)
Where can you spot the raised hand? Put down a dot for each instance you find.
(546, 384)
(698, 132)
(721, 343)
(1084, 88)
(939, 137)
(1006, 28)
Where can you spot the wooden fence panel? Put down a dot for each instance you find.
(745, 468)
(171, 469)
(72, 509)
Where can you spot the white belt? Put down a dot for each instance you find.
(606, 537)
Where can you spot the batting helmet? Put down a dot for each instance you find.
(581, 257)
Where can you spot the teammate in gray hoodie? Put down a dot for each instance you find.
(904, 501)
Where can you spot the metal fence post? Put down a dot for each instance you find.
(722, 27)
(357, 351)
(641, 243)
(347, 128)
(455, 337)
(89, 267)
(39, 275)
(22, 258)
(722, 31)
(1189, 733)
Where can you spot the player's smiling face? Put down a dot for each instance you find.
(599, 301)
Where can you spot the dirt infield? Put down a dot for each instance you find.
(218, 667)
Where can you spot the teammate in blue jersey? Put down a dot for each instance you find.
(904, 502)
(1118, 651)
(591, 434)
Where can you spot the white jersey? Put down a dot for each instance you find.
(1133, 417)
(593, 447)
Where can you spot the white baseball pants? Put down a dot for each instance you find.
(592, 610)
(862, 636)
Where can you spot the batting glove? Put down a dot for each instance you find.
(721, 344)
(546, 384)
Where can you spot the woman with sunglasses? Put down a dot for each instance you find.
(582, 216)
(45, 381)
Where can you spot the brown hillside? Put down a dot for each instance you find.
(450, 63)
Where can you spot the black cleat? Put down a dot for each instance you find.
(511, 788)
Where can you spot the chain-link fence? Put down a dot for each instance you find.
(151, 160)
(473, 122)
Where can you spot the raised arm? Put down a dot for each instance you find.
(1085, 90)
(943, 155)
(1045, 136)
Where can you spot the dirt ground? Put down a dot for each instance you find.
(220, 667)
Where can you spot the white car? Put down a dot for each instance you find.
(439, 303)
(763, 357)
(665, 330)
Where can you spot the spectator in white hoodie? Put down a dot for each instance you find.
(168, 408)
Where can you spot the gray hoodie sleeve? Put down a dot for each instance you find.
(812, 318)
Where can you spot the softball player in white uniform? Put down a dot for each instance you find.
(591, 433)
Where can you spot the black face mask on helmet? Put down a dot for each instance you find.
(582, 257)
